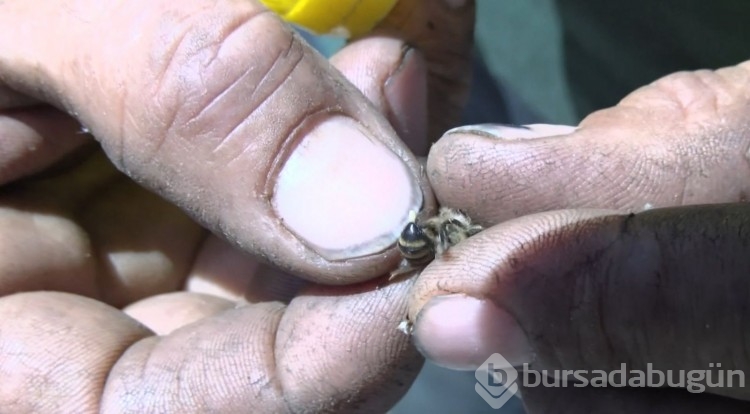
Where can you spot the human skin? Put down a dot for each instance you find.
(83, 228)
(207, 116)
(572, 273)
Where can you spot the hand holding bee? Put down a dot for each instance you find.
(608, 246)
(164, 168)
(424, 239)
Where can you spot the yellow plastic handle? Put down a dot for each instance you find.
(348, 18)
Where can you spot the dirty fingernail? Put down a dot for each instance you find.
(460, 332)
(406, 93)
(510, 132)
(344, 193)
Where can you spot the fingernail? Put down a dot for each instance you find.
(460, 332)
(343, 192)
(406, 93)
(510, 132)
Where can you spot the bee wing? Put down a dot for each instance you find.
(444, 239)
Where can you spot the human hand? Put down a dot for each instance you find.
(585, 288)
(205, 104)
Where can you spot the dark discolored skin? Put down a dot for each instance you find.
(572, 273)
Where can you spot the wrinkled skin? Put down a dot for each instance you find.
(568, 278)
(75, 225)
(139, 271)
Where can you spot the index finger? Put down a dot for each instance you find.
(588, 290)
(329, 350)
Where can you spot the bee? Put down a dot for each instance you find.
(423, 240)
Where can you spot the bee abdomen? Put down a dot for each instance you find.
(415, 246)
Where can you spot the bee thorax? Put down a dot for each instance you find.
(422, 240)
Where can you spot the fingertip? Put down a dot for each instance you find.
(498, 172)
(460, 332)
(487, 274)
(365, 319)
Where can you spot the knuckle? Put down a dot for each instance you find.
(211, 77)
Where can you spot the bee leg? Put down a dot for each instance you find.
(443, 241)
(406, 327)
(474, 229)
(405, 269)
(449, 235)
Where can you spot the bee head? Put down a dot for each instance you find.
(412, 233)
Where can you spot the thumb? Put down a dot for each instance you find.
(220, 108)
(590, 290)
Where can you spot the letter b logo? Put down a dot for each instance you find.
(496, 381)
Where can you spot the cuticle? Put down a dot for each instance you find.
(407, 52)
